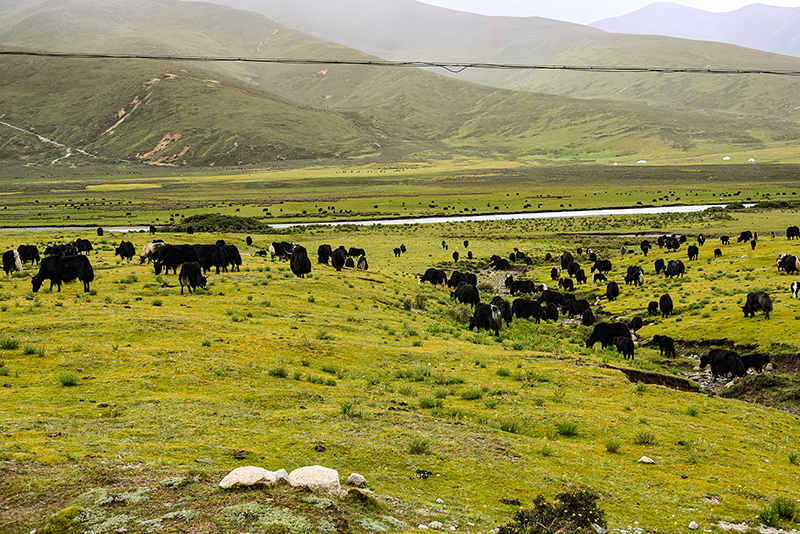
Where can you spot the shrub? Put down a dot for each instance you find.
(441, 393)
(278, 372)
(329, 368)
(28, 350)
(567, 428)
(641, 387)
(420, 445)
(472, 394)
(206, 343)
(574, 511)
(490, 403)
(8, 343)
(644, 437)
(769, 517)
(547, 449)
(692, 410)
(793, 459)
(459, 312)
(158, 302)
(509, 425)
(502, 371)
(613, 445)
(427, 402)
(68, 378)
(348, 408)
(785, 507)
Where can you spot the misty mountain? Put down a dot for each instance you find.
(245, 112)
(757, 26)
(411, 30)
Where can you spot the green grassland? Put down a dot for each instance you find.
(263, 366)
(139, 195)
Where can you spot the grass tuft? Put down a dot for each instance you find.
(68, 378)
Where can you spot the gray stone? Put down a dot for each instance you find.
(646, 460)
(435, 525)
(693, 525)
(357, 480)
(597, 528)
(316, 478)
(249, 475)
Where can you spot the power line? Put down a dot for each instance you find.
(453, 67)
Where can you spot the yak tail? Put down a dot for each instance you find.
(17, 261)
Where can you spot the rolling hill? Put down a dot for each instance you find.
(245, 112)
(758, 26)
(409, 30)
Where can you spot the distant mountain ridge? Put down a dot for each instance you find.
(757, 26)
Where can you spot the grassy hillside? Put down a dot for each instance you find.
(159, 112)
(407, 30)
(174, 391)
(394, 112)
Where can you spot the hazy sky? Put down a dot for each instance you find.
(586, 11)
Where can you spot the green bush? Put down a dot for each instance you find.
(575, 511)
(68, 378)
(427, 403)
(613, 445)
(420, 445)
(472, 394)
(567, 428)
(769, 517)
(644, 437)
(785, 507)
(278, 372)
(8, 343)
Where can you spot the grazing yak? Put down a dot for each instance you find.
(555, 273)
(566, 284)
(793, 232)
(299, 262)
(362, 263)
(645, 246)
(171, 256)
(604, 333)
(466, 293)
(755, 302)
(599, 277)
(580, 276)
(701, 239)
(723, 362)
(602, 266)
(635, 275)
(348, 262)
(338, 259)
(757, 361)
(191, 276)
(28, 253)
(566, 259)
(587, 318)
(625, 346)
(717, 253)
(11, 262)
(665, 305)
(504, 307)
(282, 250)
(795, 287)
(788, 262)
(693, 252)
(435, 276)
(660, 265)
(125, 250)
(234, 258)
(675, 268)
(526, 308)
(355, 252)
(149, 251)
(725, 240)
(745, 236)
(486, 317)
(635, 324)
(652, 308)
(551, 312)
(666, 345)
(60, 269)
(325, 251)
(520, 286)
(83, 245)
(612, 291)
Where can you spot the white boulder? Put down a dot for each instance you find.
(316, 478)
(249, 475)
(357, 480)
(646, 460)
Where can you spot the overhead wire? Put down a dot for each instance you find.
(453, 67)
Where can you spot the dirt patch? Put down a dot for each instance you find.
(649, 377)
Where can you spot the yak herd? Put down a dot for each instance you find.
(534, 300)
(66, 262)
